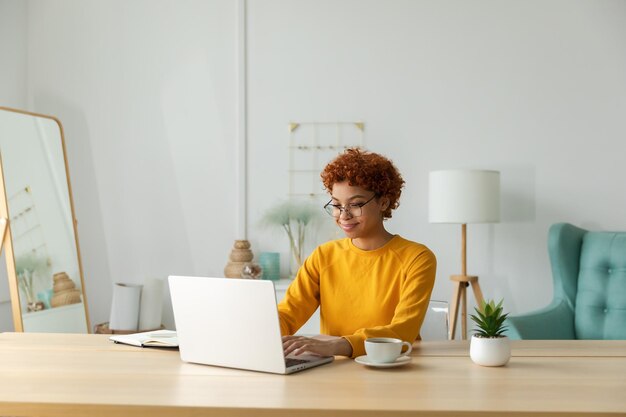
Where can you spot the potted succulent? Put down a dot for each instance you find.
(489, 346)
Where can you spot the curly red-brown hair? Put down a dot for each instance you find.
(367, 170)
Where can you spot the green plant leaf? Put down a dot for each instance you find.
(489, 319)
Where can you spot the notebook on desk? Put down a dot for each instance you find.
(232, 323)
(155, 338)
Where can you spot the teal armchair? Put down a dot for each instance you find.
(589, 275)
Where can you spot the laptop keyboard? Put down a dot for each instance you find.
(291, 362)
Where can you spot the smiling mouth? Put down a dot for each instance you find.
(348, 226)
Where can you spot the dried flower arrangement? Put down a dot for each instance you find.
(294, 217)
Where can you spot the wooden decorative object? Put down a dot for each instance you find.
(65, 291)
(239, 256)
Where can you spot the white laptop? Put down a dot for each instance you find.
(232, 323)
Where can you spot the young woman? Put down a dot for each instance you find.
(370, 284)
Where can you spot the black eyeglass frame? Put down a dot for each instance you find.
(329, 208)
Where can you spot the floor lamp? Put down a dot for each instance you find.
(464, 196)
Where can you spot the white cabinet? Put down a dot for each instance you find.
(311, 327)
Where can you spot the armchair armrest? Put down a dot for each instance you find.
(556, 321)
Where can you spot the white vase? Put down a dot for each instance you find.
(490, 351)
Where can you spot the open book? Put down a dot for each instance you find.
(156, 338)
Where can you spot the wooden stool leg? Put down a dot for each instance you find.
(462, 282)
(464, 310)
(478, 294)
(456, 297)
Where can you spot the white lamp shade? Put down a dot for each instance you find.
(464, 196)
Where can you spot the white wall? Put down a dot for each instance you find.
(536, 90)
(13, 53)
(147, 93)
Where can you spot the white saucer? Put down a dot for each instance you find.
(364, 360)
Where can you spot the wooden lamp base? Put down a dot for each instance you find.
(461, 282)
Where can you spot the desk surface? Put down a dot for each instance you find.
(79, 375)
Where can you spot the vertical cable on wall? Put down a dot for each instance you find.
(242, 102)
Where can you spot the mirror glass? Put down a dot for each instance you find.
(41, 246)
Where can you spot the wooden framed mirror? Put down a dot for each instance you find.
(40, 243)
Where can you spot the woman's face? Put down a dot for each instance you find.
(370, 221)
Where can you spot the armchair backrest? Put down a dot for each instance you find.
(600, 311)
(589, 273)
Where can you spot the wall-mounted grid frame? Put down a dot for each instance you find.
(311, 146)
(28, 235)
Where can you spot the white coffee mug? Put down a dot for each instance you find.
(385, 349)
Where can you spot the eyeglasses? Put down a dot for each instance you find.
(353, 210)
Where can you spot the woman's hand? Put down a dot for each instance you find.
(320, 345)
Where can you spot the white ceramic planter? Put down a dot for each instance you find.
(490, 352)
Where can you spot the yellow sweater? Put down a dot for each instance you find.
(378, 293)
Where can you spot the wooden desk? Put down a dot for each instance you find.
(86, 375)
